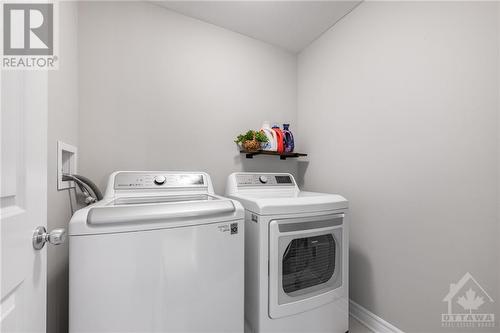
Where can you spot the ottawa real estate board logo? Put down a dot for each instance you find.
(469, 305)
(28, 36)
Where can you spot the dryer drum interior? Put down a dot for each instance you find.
(308, 262)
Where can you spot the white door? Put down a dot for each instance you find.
(23, 187)
(305, 263)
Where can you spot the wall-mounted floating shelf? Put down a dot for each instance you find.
(283, 156)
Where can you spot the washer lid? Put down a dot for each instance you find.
(285, 202)
(155, 199)
(153, 212)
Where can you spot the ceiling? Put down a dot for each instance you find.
(291, 25)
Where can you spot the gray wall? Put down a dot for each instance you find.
(159, 90)
(62, 125)
(405, 95)
(140, 87)
(398, 108)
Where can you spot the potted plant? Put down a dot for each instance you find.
(251, 141)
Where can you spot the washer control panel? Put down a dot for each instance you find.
(138, 180)
(265, 180)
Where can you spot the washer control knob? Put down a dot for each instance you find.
(160, 180)
(263, 179)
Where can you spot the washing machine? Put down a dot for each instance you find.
(296, 255)
(160, 253)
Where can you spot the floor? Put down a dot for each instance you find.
(356, 327)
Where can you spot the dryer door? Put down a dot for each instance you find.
(305, 263)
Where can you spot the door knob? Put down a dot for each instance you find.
(41, 236)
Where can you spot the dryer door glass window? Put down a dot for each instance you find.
(308, 262)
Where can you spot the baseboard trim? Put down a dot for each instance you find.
(370, 320)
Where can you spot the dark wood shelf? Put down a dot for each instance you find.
(283, 156)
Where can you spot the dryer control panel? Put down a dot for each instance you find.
(262, 179)
(140, 180)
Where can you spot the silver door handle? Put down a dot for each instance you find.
(41, 236)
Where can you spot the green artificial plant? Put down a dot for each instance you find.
(248, 136)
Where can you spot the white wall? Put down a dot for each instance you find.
(398, 109)
(62, 125)
(402, 97)
(159, 90)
